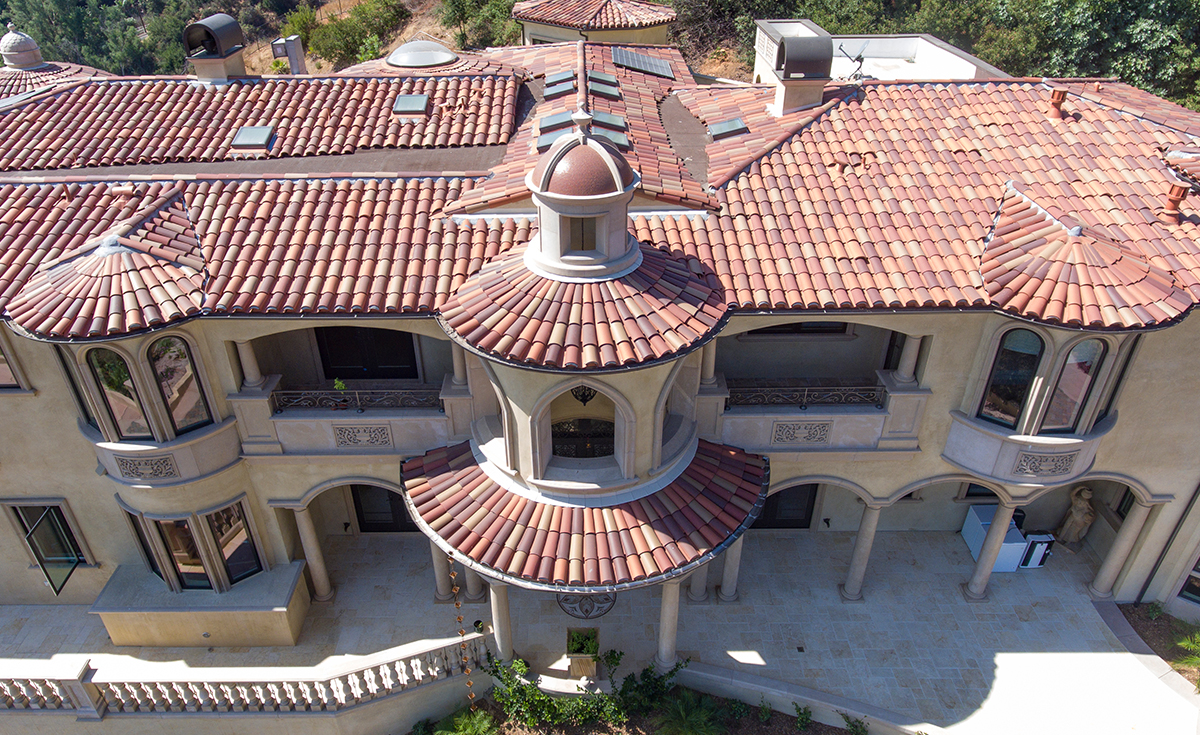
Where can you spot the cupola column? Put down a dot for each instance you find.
(252, 377)
(313, 556)
(460, 363)
(708, 363)
(698, 585)
(474, 586)
(441, 574)
(906, 371)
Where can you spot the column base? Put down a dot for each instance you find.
(442, 599)
(327, 598)
(1097, 595)
(664, 666)
(970, 596)
(481, 597)
(846, 596)
(701, 598)
(726, 598)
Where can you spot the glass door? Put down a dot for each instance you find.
(380, 510)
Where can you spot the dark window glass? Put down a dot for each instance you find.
(583, 233)
(70, 373)
(891, 359)
(1012, 374)
(583, 438)
(185, 555)
(176, 376)
(360, 353)
(978, 491)
(52, 543)
(1074, 384)
(1191, 589)
(232, 534)
(1124, 505)
(789, 508)
(112, 374)
(380, 510)
(143, 542)
(1116, 384)
(804, 328)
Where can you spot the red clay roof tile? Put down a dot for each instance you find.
(594, 15)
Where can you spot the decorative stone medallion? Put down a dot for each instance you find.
(587, 607)
(1044, 465)
(147, 468)
(801, 432)
(362, 436)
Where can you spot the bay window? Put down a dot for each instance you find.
(1074, 386)
(1013, 370)
(120, 394)
(175, 374)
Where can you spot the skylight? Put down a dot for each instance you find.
(643, 63)
(614, 136)
(600, 76)
(728, 128)
(546, 140)
(559, 89)
(254, 136)
(608, 120)
(559, 78)
(604, 90)
(555, 121)
(411, 104)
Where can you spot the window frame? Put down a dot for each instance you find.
(1030, 398)
(963, 495)
(170, 415)
(69, 368)
(10, 506)
(207, 547)
(105, 417)
(23, 387)
(1101, 371)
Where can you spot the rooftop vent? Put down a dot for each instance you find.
(420, 55)
(797, 57)
(253, 137)
(214, 45)
(728, 128)
(804, 57)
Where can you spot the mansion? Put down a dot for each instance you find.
(586, 322)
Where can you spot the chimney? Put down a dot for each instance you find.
(214, 45)
(292, 49)
(796, 56)
(1058, 96)
(1175, 197)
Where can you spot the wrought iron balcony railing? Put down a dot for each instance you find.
(803, 393)
(357, 400)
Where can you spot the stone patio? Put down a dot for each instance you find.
(1036, 651)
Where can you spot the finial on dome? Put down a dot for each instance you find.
(12, 27)
(583, 120)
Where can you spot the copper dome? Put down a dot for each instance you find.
(580, 166)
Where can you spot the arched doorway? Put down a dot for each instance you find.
(380, 510)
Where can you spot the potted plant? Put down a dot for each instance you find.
(340, 403)
(583, 646)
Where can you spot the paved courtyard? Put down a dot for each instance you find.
(1035, 657)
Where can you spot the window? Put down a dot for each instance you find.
(583, 234)
(120, 395)
(360, 353)
(1124, 504)
(1115, 385)
(73, 384)
(789, 508)
(144, 543)
(803, 329)
(1191, 586)
(1073, 387)
(50, 537)
(978, 494)
(379, 510)
(583, 438)
(234, 544)
(1012, 376)
(184, 553)
(175, 374)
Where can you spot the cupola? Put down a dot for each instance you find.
(19, 50)
(582, 187)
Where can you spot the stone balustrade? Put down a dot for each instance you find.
(91, 692)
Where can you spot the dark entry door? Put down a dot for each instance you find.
(789, 508)
(360, 353)
(380, 510)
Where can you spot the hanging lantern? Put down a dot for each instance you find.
(583, 394)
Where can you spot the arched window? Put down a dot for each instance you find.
(120, 395)
(583, 424)
(1074, 384)
(1012, 375)
(175, 373)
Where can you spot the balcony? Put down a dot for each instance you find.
(803, 392)
(195, 454)
(995, 453)
(356, 400)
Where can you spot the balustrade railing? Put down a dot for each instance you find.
(358, 400)
(95, 693)
(802, 393)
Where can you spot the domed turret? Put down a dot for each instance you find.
(582, 187)
(19, 50)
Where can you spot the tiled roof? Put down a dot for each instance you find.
(467, 65)
(659, 310)
(594, 15)
(18, 81)
(102, 123)
(664, 175)
(1132, 101)
(1047, 266)
(544, 545)
(139, 274)
(716, 104)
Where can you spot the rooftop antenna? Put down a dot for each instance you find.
(857, 74)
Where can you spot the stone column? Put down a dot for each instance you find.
(322, 589)
(668, 626)
(708, 362)
(851, 591)
(727, 592)
(906, 371)
(1101, 587)
(252, 377)
(460, 363)
(698, 585)
(976, 589)
(441, 574)
(501, 622)
(474, 586)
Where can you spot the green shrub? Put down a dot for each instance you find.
(854, 725)
(804, 717)
(467, 722)
(738, 709)
(689, 713)
(1154, 610)
(644, 693)
(423, 727)
(585, 641)
(301, 22)
(522, 701)
(280, 66)
(764, 710)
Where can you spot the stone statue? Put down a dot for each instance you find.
(1079, 518)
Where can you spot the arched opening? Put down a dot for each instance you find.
(791, 507)
(379, 510)
(583, 424)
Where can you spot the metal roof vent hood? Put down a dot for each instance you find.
(215, 45)
(796, 56)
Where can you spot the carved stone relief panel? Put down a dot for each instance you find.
(801, 432)
(1032, 464)
(363, 436)
(147, 468)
